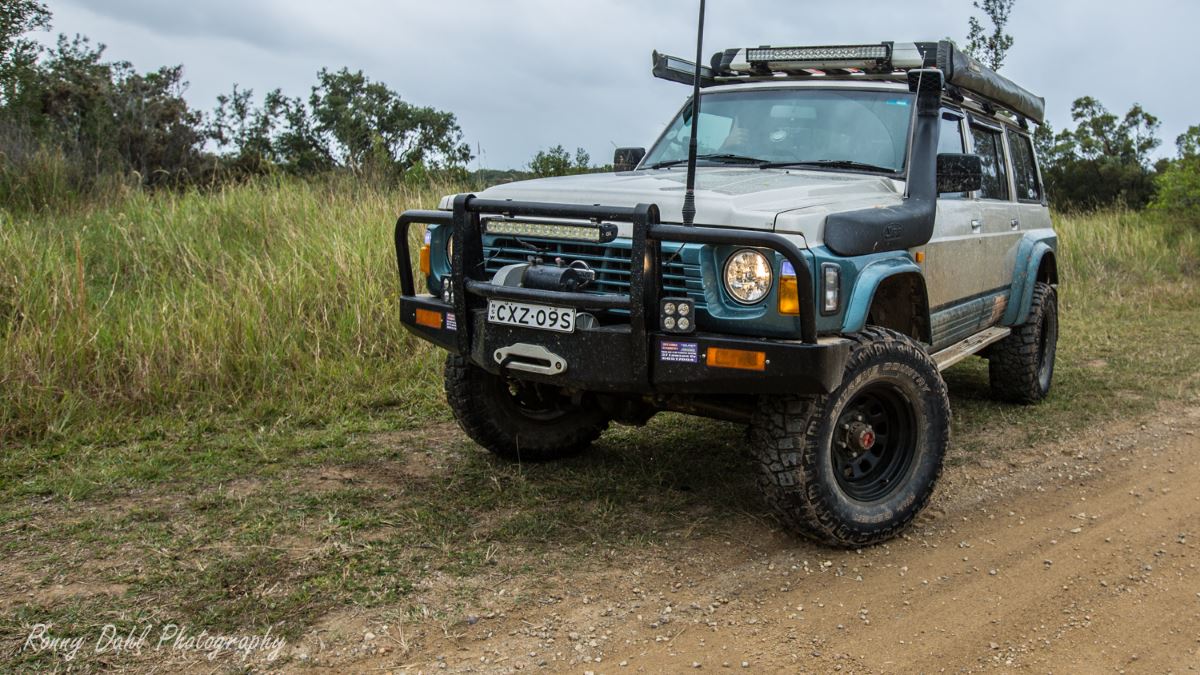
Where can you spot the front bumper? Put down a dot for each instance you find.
(627, 358)
(603, 359)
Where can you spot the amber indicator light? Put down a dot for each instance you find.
(738, 359)
(789, 296)
(426, 267)
(429, 318)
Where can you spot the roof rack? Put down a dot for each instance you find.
(884, 60)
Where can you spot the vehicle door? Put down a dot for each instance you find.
(1031, 211)
(954, 234)
(999, 229)
(955, 249)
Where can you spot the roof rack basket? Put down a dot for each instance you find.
(882, 61)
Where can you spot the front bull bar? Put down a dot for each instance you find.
(472, 290)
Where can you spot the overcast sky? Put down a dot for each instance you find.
(528, 74)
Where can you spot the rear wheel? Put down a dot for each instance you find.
(1021, 366)
(518, 420)
(855, 467)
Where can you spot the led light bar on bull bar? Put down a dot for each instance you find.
(540, 229)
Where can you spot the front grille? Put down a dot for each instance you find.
(610, 261)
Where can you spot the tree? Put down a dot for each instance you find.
(990, 48)
(557, 162)
(348, 122)
(369, 127)
(155, 133)
(1101, 134)
(18, 53)
(1103, 161)
(77, 116)
(299, 147)
(1188, 143)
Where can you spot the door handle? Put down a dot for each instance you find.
(975, 225)
(1015, 223)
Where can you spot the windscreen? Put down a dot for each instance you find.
(819, 126)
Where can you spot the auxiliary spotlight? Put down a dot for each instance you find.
(677, 315)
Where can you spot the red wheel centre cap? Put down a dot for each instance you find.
(866, 439)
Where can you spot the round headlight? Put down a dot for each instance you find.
(450, 248)
(748, 276)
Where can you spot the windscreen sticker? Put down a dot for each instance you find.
(679, 352)
(451, 321)
(898, 101)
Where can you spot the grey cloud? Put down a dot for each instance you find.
(267, 24)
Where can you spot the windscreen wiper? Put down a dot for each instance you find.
(719, 157)
(829, 164)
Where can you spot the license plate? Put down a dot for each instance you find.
(542, 317)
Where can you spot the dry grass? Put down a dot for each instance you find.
(278, 296)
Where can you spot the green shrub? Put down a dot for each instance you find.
(1179, 190)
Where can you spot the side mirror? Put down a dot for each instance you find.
(959, 173)
(627, 159)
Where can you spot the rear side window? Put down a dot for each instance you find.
(990, 148)
(1024, 168)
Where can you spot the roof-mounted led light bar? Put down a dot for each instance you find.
(882, 57)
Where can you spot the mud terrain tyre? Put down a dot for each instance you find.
(519, 421)
(1021, 366)
(855, 467)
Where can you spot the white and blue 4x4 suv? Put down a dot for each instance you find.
(865, 217)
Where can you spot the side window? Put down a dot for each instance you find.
(950, 140)
(990, 148)
(950, 136)
(1024, 168)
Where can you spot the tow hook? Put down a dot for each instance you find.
(530, 359)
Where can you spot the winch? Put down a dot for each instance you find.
(564, 277)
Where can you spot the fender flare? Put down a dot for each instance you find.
(868, 281)
(1034, 248)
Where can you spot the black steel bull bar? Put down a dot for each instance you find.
(645, 287)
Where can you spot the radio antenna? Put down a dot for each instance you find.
(689, 198)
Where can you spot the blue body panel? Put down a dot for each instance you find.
(861, 276)
(1034, 247)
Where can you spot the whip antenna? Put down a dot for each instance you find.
(689, 198)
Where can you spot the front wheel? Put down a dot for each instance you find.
(855, 467)
(516, 420)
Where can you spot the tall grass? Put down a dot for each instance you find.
(1121, 251)
(279, 298)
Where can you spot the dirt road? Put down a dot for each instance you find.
(1076, 557)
